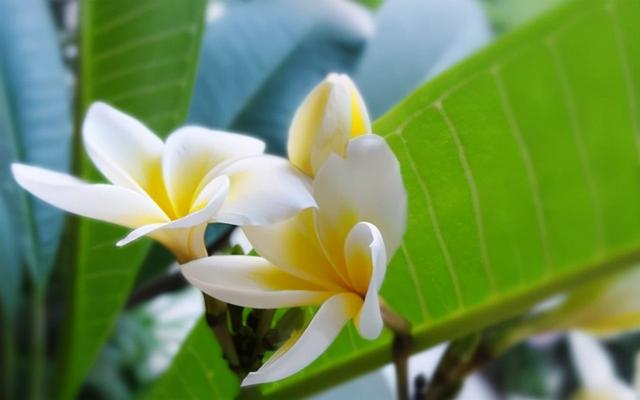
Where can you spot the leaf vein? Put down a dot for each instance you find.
(475, 200)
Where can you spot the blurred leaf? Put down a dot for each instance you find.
(140, 57)
(624, 350)
(521, 166)
(520, 371)
(36, 126)
(414, 41)
(260, 58)
(505, 15)
(197, 372)
(10, 267)
(371, 4)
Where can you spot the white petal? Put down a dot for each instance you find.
(238, 238)
(192, 152)
(365, 186)
(264, 190)
(330, 115)
(317, 337)
(293, 245)
(594, 367)
(592, 363)
(250, 282)
(603, 308)
(125, 151)
(108, 203)
(217, 191)
(346, 117)
(366, 262)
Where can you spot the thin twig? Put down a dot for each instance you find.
(164, 284)
(469, 353)
(401, 347)
(171, 282)
(461, 357)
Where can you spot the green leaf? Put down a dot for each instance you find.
(140, 57)
(197, 372)
(11, 265)
(36, 125)
(522, 171)
(371, 4)
(505, 15)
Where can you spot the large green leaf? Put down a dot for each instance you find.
(11, 265)
(522, 171)
(202, 354)
(36, 126)
(508, 14)
(140, 57)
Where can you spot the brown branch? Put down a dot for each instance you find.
(171, 282)
(462, 356)
(164, 284)
(400, 349)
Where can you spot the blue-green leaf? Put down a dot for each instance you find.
(140, 57)
(37, 129)
(260, 58)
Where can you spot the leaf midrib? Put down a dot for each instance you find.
(465, 319)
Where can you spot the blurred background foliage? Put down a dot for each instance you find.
(257, 61)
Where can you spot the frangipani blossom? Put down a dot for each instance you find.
(331, 115)
(334, 256)
(171, 191)
(602, 308)
(596, 372)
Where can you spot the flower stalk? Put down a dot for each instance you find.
(216, 317)
(400, 349)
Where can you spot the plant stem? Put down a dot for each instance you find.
(401, 347)
(216, 316)
(264, 323)
(235, 317)
(469, 353)
(462, 357)
(37, 367)
(161, 285)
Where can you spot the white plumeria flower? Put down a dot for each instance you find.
(334, 256)
(596, 372)
(604, 308)
(331, 115)
(171, 191)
